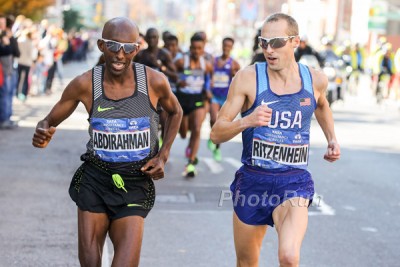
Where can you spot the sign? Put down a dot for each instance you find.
(377, 20)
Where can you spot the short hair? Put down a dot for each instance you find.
(10, 21)
(230, 39)
(171, 37)
(196, 38)
(165, 34)
(293, 27)
(150, 30)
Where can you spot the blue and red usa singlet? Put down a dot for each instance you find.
(284, 143)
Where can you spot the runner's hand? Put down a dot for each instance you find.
(43, 134)
(261, 116)
(154, 168)
(333, 152)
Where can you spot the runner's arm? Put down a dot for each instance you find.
(161, 93)
(171, 106)
(75, 92)
(225, 127)
(169, 67)
(324, 116)
(235, 67)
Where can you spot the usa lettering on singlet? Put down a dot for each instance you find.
(284, 143)
(121, 140)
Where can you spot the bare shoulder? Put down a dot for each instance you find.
(320, 81)
(84, 79)
(164, 52)
(245, 76)
(157, 81)
(243, 87)
(81, 85)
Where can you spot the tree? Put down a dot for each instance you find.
(33, 9)
(72, 20)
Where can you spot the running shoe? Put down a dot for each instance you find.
(190, 171)
(217, 154)
(211, 146)
(187, 155)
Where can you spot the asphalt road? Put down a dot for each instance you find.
(356, 223)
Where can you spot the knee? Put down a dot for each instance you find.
(89, 254)
(246, 262)
(289, 258)
(247, 259)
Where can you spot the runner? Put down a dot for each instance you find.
(158, 59)
(195, 78)
(172, 45)
(277, 100)
(114, 188)
(225, 67)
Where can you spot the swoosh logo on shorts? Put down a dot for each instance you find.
(134, 205)
(100, 109)
(268, 103)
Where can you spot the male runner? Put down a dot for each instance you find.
(225, 67)
(172, 45)
(114, 188)
(195, 74)
(158, 59)
(277, 100)
(155, 57)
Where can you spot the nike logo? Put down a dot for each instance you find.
(100, 109)
(268, 103)
(134, 205)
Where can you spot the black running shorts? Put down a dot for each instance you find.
(190, 102)
(96, 190)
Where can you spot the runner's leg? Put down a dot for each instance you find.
(126, 235)
(184, 127)
(92, 231)
(248, 241)
(195, 122)
(291, 219)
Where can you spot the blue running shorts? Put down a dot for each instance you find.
(220, 100)
(257, 192)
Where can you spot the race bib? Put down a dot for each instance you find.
(221, 79)
(194, 80)
(121, 140)
(280, 153)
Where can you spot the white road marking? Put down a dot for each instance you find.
(234, 162)
(369, 229)
(350, 208)
(215, 167)
(320, 204)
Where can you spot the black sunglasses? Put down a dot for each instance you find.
(276, 42)
(115, 46)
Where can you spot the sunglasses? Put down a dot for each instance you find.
(114, 46)
(276, 42)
